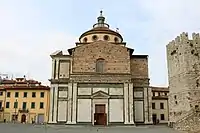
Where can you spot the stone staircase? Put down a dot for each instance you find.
(189, 123)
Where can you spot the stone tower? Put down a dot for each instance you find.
(183, 57)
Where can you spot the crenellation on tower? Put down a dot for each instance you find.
(183, 57)
(184, 37)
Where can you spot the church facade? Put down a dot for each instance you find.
(100, 81)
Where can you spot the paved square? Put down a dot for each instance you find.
(22, 128)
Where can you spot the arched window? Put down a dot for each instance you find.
(100, 65)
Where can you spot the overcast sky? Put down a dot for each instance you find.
(30, 30)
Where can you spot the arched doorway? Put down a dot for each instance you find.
(23, 119)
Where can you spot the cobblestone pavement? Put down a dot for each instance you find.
(25, 128)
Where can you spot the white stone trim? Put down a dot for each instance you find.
(150, 105)
(74, 103)
(145, 106)
(131, 115)
(57, 68)
(53, 69)
(54, 86)
(99, 101)
(63, 85)
(126, 103)
(69, 121)
(147, 109)
(55, 104)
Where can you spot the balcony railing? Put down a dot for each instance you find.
(23, 110)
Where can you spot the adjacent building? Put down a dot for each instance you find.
(25, 101)
(183, 57)
(160, 106)
(100, 81)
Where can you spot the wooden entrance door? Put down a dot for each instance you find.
(100, 116)
(23, 119)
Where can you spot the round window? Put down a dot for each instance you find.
(106, 37)
(85, 39)
(116, 39)
(94, 37)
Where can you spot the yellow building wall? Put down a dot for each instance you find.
(32, 114)
(2, 99)
(159, 111)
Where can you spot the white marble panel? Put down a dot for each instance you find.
(62, 111)
(84, 110)
(138, 94)
(84, 91)
(139, 111)
(64, 70)
(116, 91)
(100, 89)
(116, 110)
(63, 93)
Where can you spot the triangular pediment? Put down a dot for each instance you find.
(100, 95)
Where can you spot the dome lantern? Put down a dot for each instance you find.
(101, 21)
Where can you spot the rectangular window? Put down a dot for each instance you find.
(16, 94)
(24, 105)
(153, 106)
(100, 65)
(41, 105)
(32, 105)
(8, 94)
(0, 104)
(15, 105)
(1, 93)
(33, 94)
(7, 105)
(162, 117)
(161, 105)
(25, 94)
(154, 94)
(41, 94)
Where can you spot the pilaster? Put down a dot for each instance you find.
(57, 69)
(53, 104)
(53, 69)
(74, 103)
(131, 115)
(69, 109)
(126, 115)
(147, 109)
(150, 105)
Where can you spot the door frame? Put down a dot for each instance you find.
(153, 118)
(100, 101)
(23, 116)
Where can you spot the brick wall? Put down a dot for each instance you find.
(117, 58)
(139, 66)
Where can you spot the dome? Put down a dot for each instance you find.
(101, 31)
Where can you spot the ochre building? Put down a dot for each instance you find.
(160, 106)
(100, 82)
(23, 101)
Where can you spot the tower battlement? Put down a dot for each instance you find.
(183, 57)
(183, 41)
